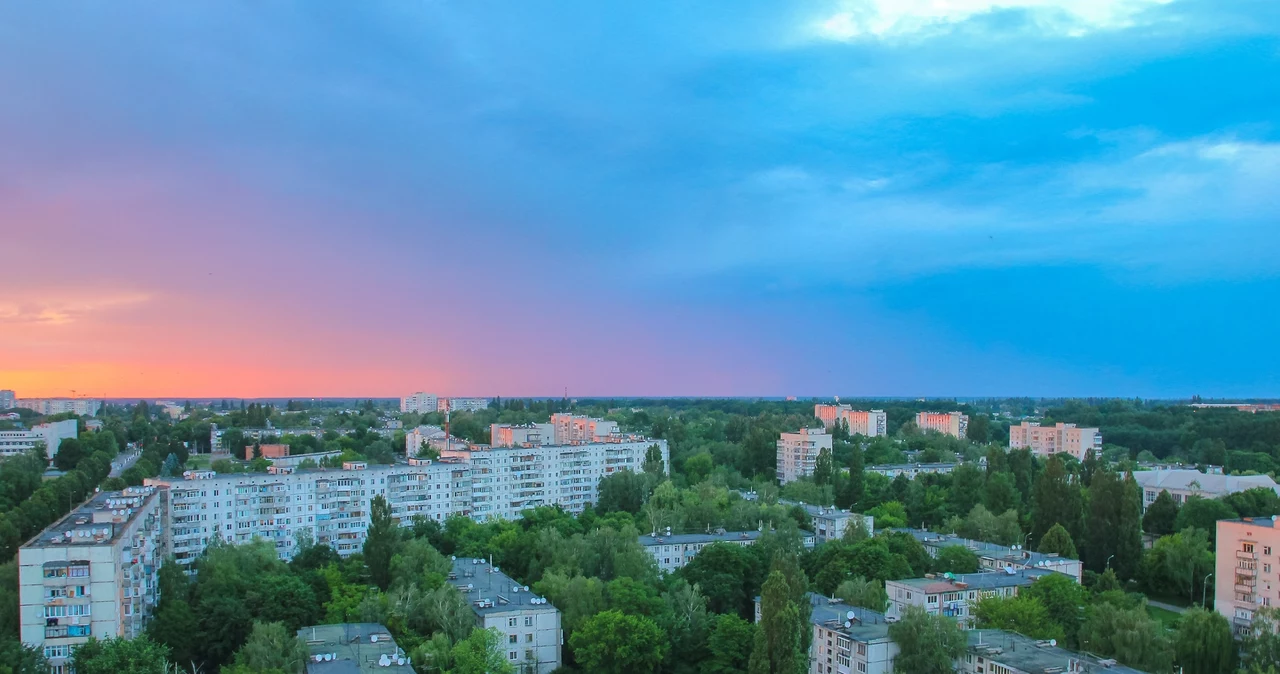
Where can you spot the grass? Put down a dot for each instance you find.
(1164, 616)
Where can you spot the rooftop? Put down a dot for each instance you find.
(682, 539)
(989, 580)
(1189, 479)
(863, 624)
(489, 590)
(1267, 522)
(100, 520)
(353, 648)
(909, 466)
(985, 549)
(1037, 657)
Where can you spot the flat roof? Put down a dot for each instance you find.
(1031, 655)
(1267, 522)
(989, 580)
(681, 539)
(892, 466)
(983, 548)
(353, 648)
(489, 590)
(864, 624)
(100, 520)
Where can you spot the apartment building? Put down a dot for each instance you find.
(271, 433)
(830, 523)
(996, 557)
(420, 402)
(353, 648)
(530, 625)
(953, 595)
(7, 399)
(79, 406)
(521, 435)
(573, 428)
(1247, 564)
(911, 470)
(860, 422)
(848, 639)
(462, 404)
(50, 434)
(1182, 484)
(954, 424)
(94, 573)
(508, 480)
(267, 451)
(1000, 652)
(674, 551)
(1050, 440)
(798, 452)
(332, 506)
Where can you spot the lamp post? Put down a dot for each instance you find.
(1204, 589)
(1025, 539)
(1109, 561)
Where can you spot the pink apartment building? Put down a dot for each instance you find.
(1245, 575)
(798, 452)
(1049, 440)
(860, 422)
(954, 424)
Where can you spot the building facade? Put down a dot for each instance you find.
(462, 404)
(572, 429)
(79, 406)
(419, 403)
(93, 573)
(1247, 564)
(798, 452)
(530, 625)
(996, 557)
(860, 422)
(50, 434)
(521, 435)
(674, 551)
(953, 595)
(954, 424)
(1183, 484)
(829, 523)
(911, 470)
(1000, 652)
(8, 400)
(1050, 440)
(848, 639)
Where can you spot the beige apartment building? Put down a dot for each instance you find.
(798, 452)
(94, 573)
(860, 422)
(1050, 440)
(954, 424)
(1245, 574)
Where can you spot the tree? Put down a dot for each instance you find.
(927, 644)
(176, 625)
(1205, 644)
(730, 645)
(1063, 600)
(117, 655)
(1161, 515)
(1128, 635)
(1000, 493)
(481, 653)
(968, 483)
(614, 642)
(272, 646)
(1203, 514)
(855, 488)
(823, 469)
(18, 658)
(1056, 499)
(777, 648)
(867, 593)
(1058, 540)
(956, 559)
(1022, 614)
(1182, 560)
(1261, 648)
(623, 491)
(379, 543)
(653, 464)
(726, 573)
(70, 452)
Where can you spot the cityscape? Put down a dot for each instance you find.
(716, 337)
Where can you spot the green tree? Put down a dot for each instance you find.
(272, 646)
(823, 469)
(1058, 540)
(1063, 599)
(623, 491)
(1001, 493)
(1205, 644)
(616, 643)
(481, 653)
(1178, 563)
(855, 488)
(1161, 515)
(176, 626)
(730, 644)
(968, 483)
(777, 648)
(1056, 499)
(1261, 648)
(1022, 614)
(1128, 635)
(118, 655)
(70, 452)
(653, 464)
(864, 592)
(1203, 514)
(927, 644)
(379, 543)
(956, 559)
(18, 658)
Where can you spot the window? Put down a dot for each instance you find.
(528, 638)
(55, 651)
(511, 622)
(511, 655)
(1266, 549)
(1246, 547)
(528, 621)
(511, 638)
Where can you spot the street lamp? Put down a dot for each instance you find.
(1204, 589)
(1109, 561)
(1025, 539)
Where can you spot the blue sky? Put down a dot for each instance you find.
(1035, 197)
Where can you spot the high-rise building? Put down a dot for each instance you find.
(93, 573)
(83, 407)
(462, 404)
(50, 434)
(419, 402)
(954, 424)
(798, 453)
(1049, 440)
(1247, 559)
(7, 399)
(572, 429)
(829, 414)
(530, 625)
(860, 422)
(521, 435)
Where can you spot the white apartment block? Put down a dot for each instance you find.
(508, 480)
(330, 505)
(93, 573)
(996, 557)
(522, 435)
(1246, 567)
(416, 438)
(674, 551)
(954, 424)
(1050, 440)
(798, 452)
(911, 470)
(860, 422)
(420, 402)
(7, 399)
(1000, 652)
(530, 625)
(79, 406)
(50, 434)
(953, 595)
(462, 404)
(830, 523)
(848, 639)
(1182, 484)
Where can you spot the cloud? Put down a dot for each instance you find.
(898, 18)
(63, 308)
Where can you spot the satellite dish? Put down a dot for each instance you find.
(850, 615)
(1053, 642)
(374, 638)
(847, 624)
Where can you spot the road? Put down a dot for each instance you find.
(124, 461)
(1167, 607)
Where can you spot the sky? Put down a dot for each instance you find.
(810, 198)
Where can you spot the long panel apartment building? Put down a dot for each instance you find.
(93, 573)
(1049, 440)
(954, 424)
(860, 422)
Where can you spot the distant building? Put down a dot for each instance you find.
(860, 422)
(848, 639)
(674, 551)
(269, 451)
(1000, 652)
(93, 424)
(79, 406)
(93, 573)
(1050, 440)
(353, 648)
(1252, 408)
(419, 403)
(1247, 555)
(1182, 484)
(953, 595)
(521, 435)
(462, 404)
(530, 625)
(911, 470)
(7, 399)
(418, 437)
(50, 434)
(954, 424)
(572, 429)
(996, 557)
(830, 523)
(798, 453)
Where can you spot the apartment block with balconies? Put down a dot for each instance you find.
(798, 453)
(1247, 569)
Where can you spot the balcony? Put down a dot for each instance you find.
(1241, 554)
(1244, 589)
